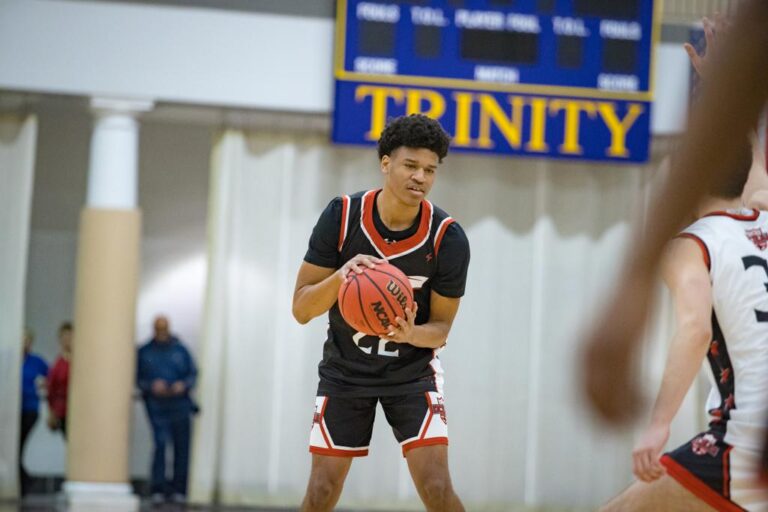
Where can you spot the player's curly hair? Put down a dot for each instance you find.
(414, 131)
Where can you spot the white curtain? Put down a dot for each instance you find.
(17, 154)
(546, 239)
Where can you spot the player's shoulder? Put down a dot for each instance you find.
(338, 205)
(357, 195)
(706, 225)
(732, 217)
(452, 226)
(439, 213)
(720, 223)
(339, 200)
(449, 235)
(345, 202)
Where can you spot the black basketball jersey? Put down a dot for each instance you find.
(433, 253)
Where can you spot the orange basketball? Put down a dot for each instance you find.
(370, 302)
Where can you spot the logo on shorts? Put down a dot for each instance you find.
(439, 408)
(316, 418)
(705, 445)
(758, 237)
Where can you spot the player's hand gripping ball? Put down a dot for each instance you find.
(370, 301)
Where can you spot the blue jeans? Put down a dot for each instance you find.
(170, 428)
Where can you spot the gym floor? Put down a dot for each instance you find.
(55, 503)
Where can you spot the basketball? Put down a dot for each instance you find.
(370, 302)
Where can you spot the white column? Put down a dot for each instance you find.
(18, 141)
(113, 173)
(102, 375)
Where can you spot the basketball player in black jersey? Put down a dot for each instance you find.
(396, 224)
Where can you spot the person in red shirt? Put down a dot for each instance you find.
(58, 380)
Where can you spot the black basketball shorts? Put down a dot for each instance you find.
(721, 475)
(343, 426)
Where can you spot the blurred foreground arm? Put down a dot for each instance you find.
(730, 104)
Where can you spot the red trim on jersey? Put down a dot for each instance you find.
(322, 428)
(702, 246)
(344, 214)
(429, 416)
(401, 246)
(424, 442)
(441, 231)
(434, 372)
(727, 472)
(752, 216)
(337, 453)
(697, 487)
(326, 437)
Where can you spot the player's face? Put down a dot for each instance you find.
(409, 173)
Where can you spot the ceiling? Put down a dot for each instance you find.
(675, 11)
(308, 8)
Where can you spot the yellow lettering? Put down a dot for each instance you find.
(573, 109)
(510, 127)
(379, 97)
(538, 126)
(462, 137)
(618, 128)
(414, 98)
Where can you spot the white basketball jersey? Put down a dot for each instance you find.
(735, 248)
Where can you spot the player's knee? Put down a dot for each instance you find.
(436, 490)
(321, 491)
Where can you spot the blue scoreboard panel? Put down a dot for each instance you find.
(554, 78)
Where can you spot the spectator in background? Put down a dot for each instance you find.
(58, 381)
(165, 374)
(34, 368)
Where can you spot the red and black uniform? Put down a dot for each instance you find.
(434, 254)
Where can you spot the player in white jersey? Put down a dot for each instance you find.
(717, 272)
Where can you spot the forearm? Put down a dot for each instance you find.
(683, 363)
(430, 335)
(313, 300)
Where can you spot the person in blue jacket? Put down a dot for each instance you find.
(166, 374)
(34, 368)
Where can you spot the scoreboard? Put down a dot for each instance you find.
(554, 78)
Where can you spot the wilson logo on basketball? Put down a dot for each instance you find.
(381, 314)
(398, 294)
(372, 300)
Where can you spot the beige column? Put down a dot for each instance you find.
(102, 375)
